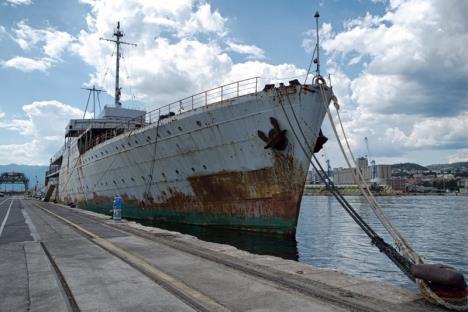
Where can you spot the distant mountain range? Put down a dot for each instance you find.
(30, 171)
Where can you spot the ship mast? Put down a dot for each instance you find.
(117, 34)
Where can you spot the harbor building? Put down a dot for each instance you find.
(379, 174)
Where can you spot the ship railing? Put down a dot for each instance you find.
(219, 94)
(58, 154)
(52, 169)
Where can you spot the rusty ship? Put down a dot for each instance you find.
(226, 157)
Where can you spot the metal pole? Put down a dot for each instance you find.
(118, 34)
(317, 15)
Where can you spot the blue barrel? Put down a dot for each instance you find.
(117, 211)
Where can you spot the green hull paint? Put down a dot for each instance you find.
(258, 224)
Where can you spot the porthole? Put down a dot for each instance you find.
(136, 142)
(123, 181)
(193, 169)
(123, 146)
(150, 176)
(180, 128)
(158, 135)
(204, 167)
(148, 138)
(133, 180)
(117, 148)
(177, 171)
(163, 174)
(199, 123)
(168, 132)
(129, 144)
(114, 182)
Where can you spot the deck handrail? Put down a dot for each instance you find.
(215, 95)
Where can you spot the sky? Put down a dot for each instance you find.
(399, 68)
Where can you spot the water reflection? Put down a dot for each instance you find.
(257, 243)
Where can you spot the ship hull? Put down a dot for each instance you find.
(207, 166)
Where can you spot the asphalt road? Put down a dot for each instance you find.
(13, 226)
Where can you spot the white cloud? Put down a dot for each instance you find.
(406, 89)
(19, 2)
(433, 132)
(43, 127)
(253, 52)
(53, 44)
(459, 156)
(26, 64)
(183, 48)
(24, 153)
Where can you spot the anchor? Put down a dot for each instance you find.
(276, 138)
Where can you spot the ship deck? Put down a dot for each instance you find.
(56, 258)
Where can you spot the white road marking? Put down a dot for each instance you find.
(6, 217)
(4, 201)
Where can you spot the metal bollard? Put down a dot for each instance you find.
(117, 211)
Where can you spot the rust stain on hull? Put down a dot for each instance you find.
(268, 192)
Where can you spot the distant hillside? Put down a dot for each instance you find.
(408, 166)
(30, 171)
(452, 166)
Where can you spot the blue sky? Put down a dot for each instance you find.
(399, 68)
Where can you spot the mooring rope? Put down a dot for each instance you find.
(400, 241)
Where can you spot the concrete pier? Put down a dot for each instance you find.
(56, 258)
